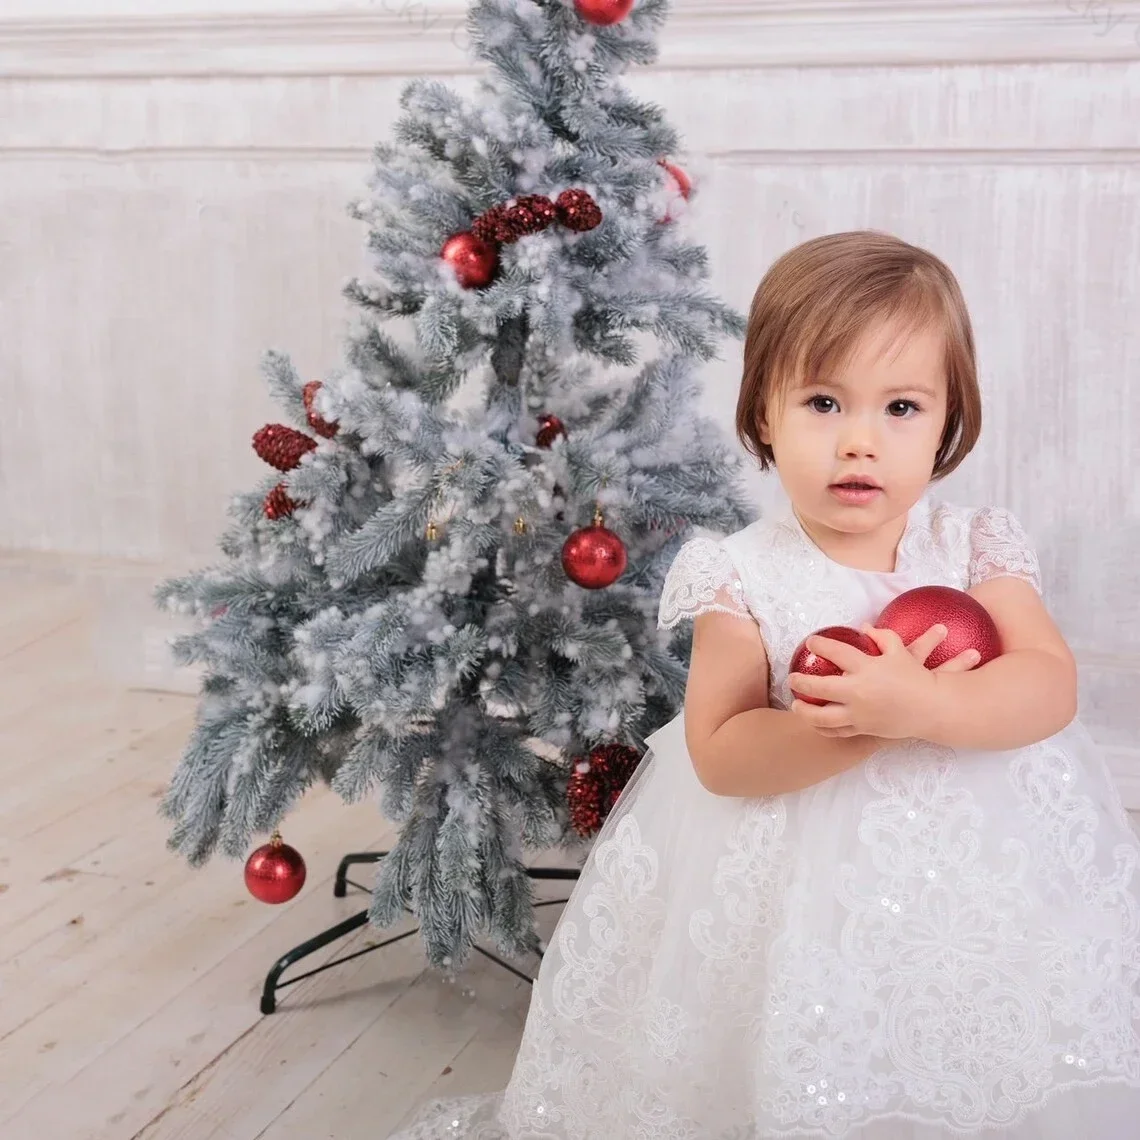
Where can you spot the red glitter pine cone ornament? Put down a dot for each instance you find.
(318, 423)
(281, 446)
(278, 504)
(603, 12)
(506, 223)
(594, 557)
(968, 622)
(473, 259)
(530, 214)
(549, 429)
(596, 784)
(813, 665)
(491, 225)
(577, 210)
(275, 872)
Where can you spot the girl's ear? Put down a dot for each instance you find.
(763, 432)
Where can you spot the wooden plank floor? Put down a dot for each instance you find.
(129, 983)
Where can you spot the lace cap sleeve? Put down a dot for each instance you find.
(702, 579)
(999, 546)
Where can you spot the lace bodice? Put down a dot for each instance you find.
(772, 573)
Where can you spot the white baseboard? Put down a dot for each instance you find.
(130, 636)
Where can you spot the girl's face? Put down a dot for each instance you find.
(878, 420)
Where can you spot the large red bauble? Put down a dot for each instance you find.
(603, 12)
(473, 259)
(970, 627)
(275, 872)
(812, 665)
(594, 557)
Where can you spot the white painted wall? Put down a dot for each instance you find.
(173, 176)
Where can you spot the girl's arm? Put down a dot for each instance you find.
(1025, 695)
(738, 745)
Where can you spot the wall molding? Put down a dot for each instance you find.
(869, 156)
(410, 37)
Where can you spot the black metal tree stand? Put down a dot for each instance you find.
(273, 982)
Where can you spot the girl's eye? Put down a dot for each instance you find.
(815, 402)
(897, 409)
(893, 408)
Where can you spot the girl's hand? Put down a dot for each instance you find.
(888, 696)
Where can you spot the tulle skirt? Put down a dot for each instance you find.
(931, 944)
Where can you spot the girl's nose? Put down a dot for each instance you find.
(858, 441)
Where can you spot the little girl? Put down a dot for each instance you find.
(904, 914)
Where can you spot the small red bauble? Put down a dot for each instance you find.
(277, 503)
(473, 259)
(577, 210)
(594, 557)
(275, 872)
(317, 422)
(549, 429)
(969, 624)
(603, 12)
(282, 446)
(677, 181)
(812, 665)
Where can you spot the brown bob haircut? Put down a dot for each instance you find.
(818, 299)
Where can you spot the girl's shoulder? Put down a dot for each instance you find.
(989, 540)
(977, 524)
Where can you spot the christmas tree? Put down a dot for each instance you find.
(446, 593)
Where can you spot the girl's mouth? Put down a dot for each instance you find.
(854, 492)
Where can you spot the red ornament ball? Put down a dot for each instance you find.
(594, 557)
(603, 12)
(275, 872)
(549, 429)
(577, 210)
(812, 665)
(969, 624)
(677, 182)
(318, 423)
(473, 259)
(596, 784)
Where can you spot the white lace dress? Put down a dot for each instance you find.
(933, 943)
